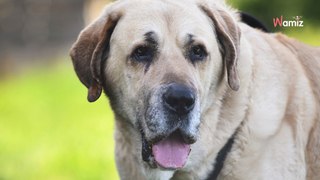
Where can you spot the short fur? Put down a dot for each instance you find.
(264, 86)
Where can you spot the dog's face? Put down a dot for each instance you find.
(162, 65)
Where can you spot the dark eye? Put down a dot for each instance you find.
(143, 54)
(197, 53)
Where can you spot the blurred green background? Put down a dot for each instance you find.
(47, 128)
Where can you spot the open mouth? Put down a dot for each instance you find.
(169, 153)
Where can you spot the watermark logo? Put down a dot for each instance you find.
(280, 21)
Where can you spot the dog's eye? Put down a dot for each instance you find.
(142, 54)
(197, 53)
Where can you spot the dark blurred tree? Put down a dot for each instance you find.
(30, 29)
(38, 22)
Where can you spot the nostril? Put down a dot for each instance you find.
(189, 101)
(179, 99)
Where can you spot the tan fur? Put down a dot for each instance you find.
(310, 59)
(264, 86)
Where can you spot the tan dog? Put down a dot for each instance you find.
(185, 77)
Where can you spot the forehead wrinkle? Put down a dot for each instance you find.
(148, 38)
(151, 38)
(189, 39)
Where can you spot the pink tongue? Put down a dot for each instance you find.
(172, 152)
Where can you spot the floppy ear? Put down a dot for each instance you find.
(89, 52)
(228, 34)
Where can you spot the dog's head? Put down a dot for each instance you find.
(162, 64)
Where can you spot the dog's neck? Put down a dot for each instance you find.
(221, 157)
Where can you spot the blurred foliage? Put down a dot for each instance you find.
(266, 10)
(48, 130)
(309, 34)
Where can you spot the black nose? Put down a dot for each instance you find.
(179, 99)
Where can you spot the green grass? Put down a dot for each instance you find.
(49, 131)
(308, 34)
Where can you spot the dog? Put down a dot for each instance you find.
(197, 94)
